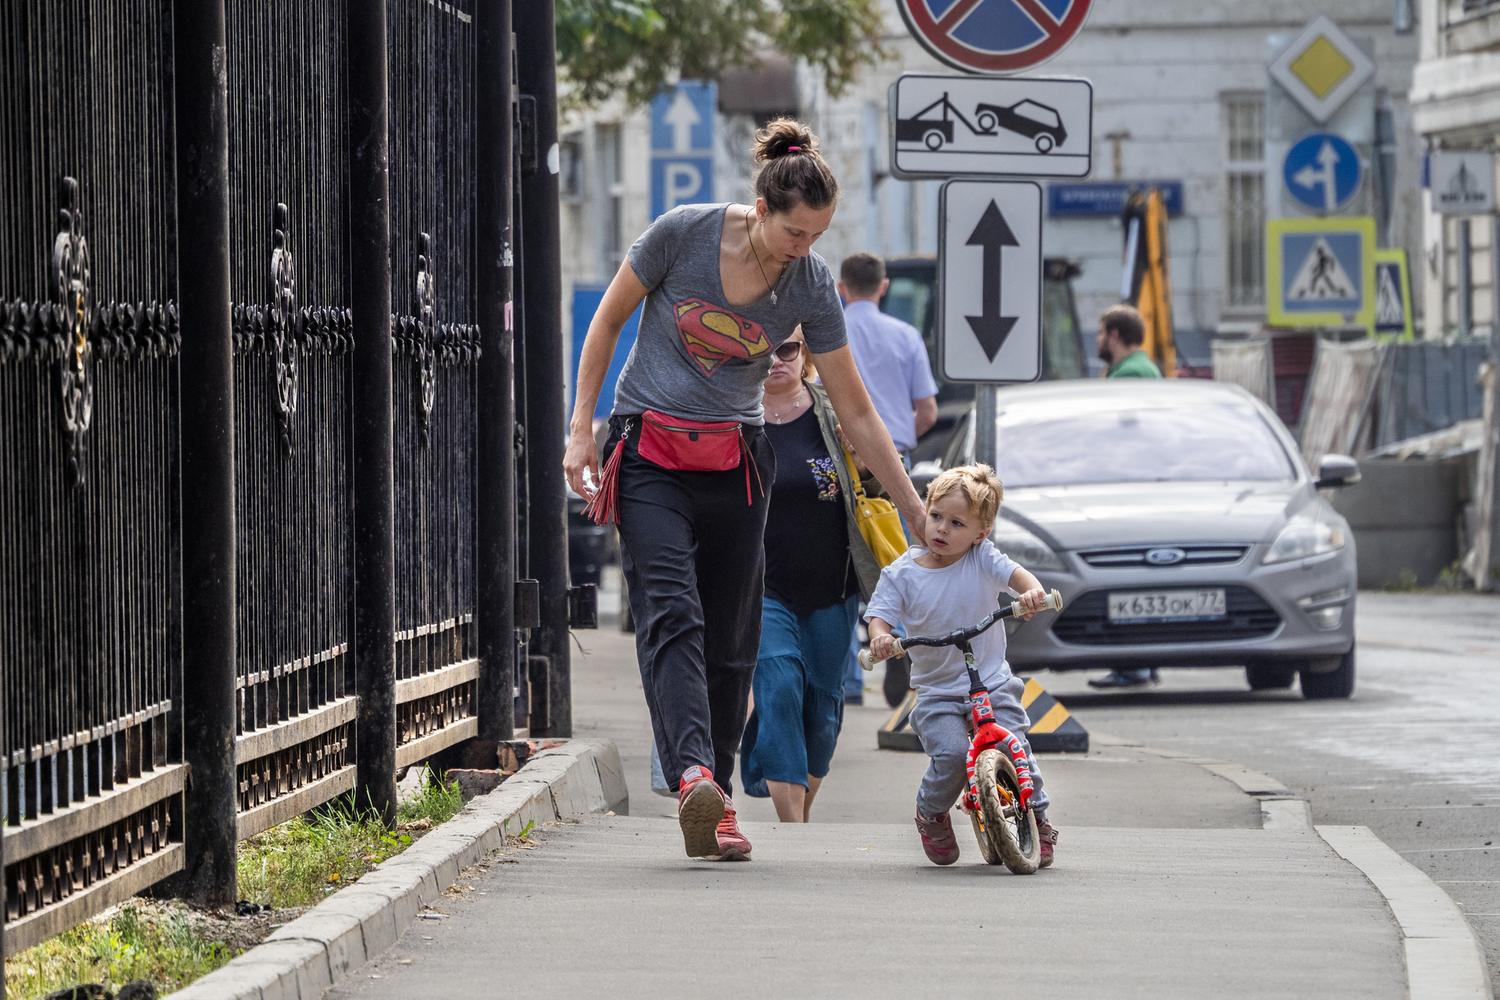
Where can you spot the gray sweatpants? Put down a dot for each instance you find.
(942, 726)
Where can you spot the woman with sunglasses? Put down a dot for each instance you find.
(817, 569)
(689, 467)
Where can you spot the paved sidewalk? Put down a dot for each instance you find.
(1166, 886)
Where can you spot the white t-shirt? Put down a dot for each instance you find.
(937, 601)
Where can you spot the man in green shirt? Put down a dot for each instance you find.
(1121, 334)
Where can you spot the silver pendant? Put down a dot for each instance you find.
(773, 298)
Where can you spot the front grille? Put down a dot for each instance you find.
(1192, 555)
(1085, 622)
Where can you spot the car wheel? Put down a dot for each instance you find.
(897, 681)
(1044, 143)
(1319, 681)
(933, 139)
(987, 122)
(1269, 676)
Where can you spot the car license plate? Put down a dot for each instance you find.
(1136, 606)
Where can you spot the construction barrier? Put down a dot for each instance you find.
(1053, 728)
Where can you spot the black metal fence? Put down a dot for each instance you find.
(90, 773)
(100, 460)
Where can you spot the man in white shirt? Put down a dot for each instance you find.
(892, 361)
(889, 354)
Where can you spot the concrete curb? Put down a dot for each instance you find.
(326, 944)
(1443, 958)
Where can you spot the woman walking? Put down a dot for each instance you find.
(689, 467)
(817, 568)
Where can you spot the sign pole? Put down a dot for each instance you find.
(986, 443)
(1489, 451)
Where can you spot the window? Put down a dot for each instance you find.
(611, 189)
(1245, 205)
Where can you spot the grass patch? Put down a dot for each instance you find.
(303, 860)
(169, 943)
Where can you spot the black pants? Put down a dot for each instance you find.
(693, 553)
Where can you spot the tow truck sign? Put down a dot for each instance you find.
(957, 126)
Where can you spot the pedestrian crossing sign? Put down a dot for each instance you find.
(1393, 294)
(1320, 272)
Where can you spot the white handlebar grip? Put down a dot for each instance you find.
(867, 659)
(1052, 602)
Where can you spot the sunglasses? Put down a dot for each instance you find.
(790, 350)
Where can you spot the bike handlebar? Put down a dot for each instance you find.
(1053, 602)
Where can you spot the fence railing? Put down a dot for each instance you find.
(99, 507)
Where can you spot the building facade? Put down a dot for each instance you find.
(1180, 94)
(1455, 101)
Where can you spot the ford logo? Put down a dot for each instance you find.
(1165, 557)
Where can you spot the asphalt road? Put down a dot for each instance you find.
(1414, 755)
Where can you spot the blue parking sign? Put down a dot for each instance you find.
(680, 180)
(682, 145)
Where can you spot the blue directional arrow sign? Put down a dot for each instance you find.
(682, 145)
(1322, 172)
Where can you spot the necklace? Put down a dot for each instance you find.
(780, 416)
(758, 264)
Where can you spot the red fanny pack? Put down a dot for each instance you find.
(690, 445)
(678, 444)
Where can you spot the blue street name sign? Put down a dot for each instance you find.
(1322, 172)
(1091, 199)
(682, 145)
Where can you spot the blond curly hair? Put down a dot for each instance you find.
(978, 484)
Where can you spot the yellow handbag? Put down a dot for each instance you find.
(879, 523)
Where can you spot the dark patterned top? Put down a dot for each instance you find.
(807, 542)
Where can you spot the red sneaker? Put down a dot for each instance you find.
(937, 838)
(733, 845)
(700, 806)
(1046, 834)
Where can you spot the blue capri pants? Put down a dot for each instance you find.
(799, 694)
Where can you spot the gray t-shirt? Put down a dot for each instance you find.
(935, 602)
(697, 357)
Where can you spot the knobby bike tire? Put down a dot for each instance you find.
(1011, 833)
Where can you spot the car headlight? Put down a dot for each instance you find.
(1304, 537)
(1024, 547)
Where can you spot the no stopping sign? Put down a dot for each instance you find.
(994, 36)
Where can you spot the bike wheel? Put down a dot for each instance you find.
(1011, 831)
(986, 851)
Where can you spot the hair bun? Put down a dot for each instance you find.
(784, 137)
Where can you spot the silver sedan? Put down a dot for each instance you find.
(1180, 523)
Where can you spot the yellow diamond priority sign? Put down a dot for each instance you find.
(1321, 68)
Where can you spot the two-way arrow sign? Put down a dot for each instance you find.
(990, 294)
(992, 234)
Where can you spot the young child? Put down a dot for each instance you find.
(955, 581)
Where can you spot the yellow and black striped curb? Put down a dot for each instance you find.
(1053, 728)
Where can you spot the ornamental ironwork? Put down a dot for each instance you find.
(284, 322)
(72, 300)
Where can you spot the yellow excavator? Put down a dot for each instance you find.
(1147, 284)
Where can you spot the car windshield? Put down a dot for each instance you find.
(1098, 443)
(1037, 112)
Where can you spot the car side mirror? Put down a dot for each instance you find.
(1335, 471)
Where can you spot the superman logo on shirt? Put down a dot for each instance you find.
(714, 335)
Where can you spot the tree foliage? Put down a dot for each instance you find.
(633, 48)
